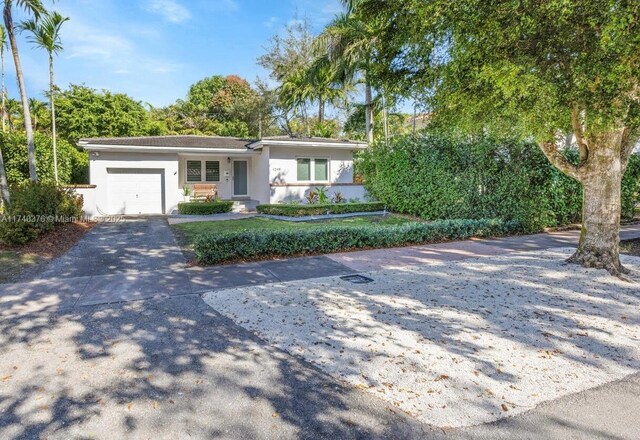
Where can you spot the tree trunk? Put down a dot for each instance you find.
(601, 180)
(53, 118)
(4, 186)
(4, 92)
(368, 111)
(321, 111)
(8, 22)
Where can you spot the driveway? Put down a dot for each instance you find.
(128, 348)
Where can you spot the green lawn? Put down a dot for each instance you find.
(190, 230)
(12, 264)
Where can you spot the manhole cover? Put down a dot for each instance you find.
(356, 279)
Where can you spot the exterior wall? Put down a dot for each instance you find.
(259, 185)
(88, 193)
(225, 185)
(283, 170)
(100, 162)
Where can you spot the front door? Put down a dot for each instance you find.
(240, 176)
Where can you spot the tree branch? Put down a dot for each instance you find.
(583, 145)
(551, 151)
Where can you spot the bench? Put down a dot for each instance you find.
(206, 191)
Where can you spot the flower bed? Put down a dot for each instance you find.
(292, 210)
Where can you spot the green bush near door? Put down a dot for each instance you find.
(319, 208)
(205, 208)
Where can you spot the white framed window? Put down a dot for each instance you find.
(312, 169)
(194, 171)
(203, 171)
(212, 171)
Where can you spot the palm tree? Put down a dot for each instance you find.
(38, 111)
(3, 46)
(45, 34)
(322, 78)
(35, 8)
(348, 45)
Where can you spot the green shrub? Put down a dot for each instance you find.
(36, 208)
(437, 176)
(72, 164)
(205, 208)
(215, 248)
(319, 209)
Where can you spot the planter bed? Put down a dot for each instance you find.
(291, 210)
(205, 208)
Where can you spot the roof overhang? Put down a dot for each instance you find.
(163, 149)
(351, 145)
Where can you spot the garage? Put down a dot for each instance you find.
(135, 191)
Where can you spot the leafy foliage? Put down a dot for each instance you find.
(249, 244)
(85, 112)
(319, 208)
(72, 164)
(36, 208)
(205, 208)
(437, 177)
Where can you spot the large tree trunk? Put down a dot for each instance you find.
(8, 22)
(603, 160)
(53, 119)
(601, 181)
(368, 111)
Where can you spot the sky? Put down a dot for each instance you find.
(153, 50)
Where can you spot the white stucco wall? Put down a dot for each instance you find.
(100, 162)
(283, 170)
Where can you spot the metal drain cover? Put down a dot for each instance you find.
(356, 279)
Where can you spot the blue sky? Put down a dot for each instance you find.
(154, 49)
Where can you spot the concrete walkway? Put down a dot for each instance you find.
(370, 260)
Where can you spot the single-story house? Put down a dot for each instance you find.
(146, 175)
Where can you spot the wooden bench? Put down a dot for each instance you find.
(206, 191)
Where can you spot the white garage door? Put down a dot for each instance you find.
(135, 191)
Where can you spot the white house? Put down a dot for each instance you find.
(145, 175)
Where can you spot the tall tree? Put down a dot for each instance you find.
(35, 8)
(348, 45)
(4, 187)
(539, 67)
(45, 34)
(3, 90)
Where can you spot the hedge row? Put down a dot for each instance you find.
(319, 209)
(246, 245)
(205, 208)
(439, 176)
(35, 209)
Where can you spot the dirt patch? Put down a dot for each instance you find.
(19, 262)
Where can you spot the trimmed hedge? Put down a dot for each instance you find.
(35, 209)
(439, 175)
(319, 209)
(205, 208)
(246, 245)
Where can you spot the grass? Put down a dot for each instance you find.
(14, 263)
(188, 231)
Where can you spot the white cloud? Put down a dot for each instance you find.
(170, 10)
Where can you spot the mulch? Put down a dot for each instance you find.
(56, 242)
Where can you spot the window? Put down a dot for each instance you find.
(194, 171)
(312, 169)
(321, 170)
(212, 171)
(304, 169)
